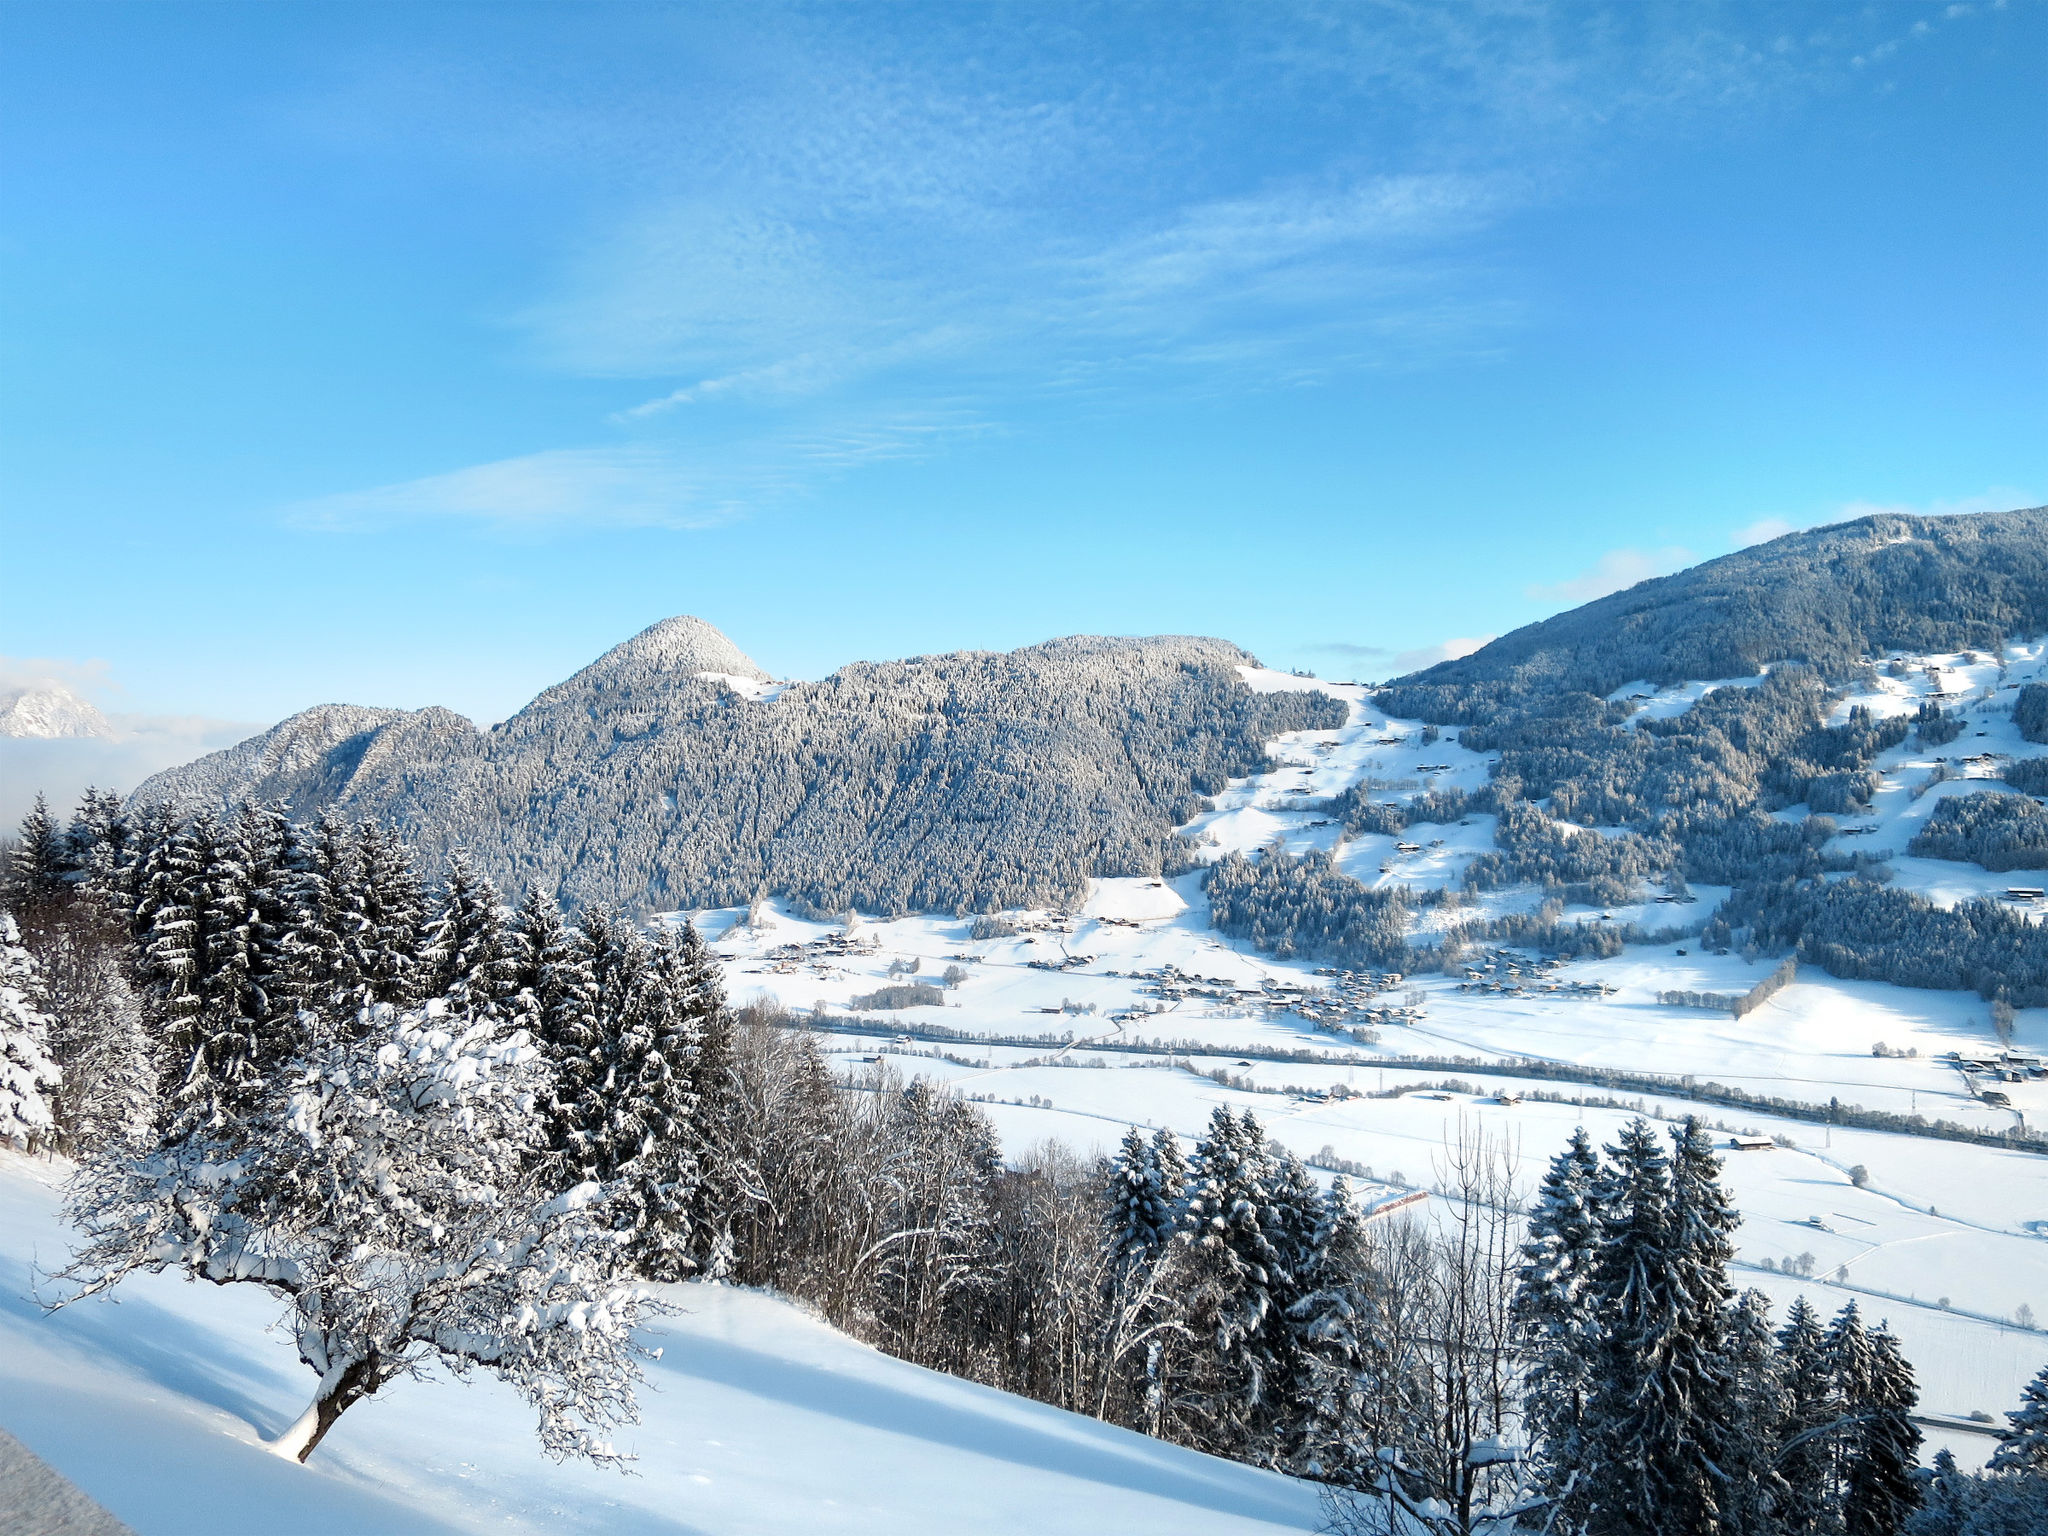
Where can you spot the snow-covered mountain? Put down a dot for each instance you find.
(49, 711)
(672, 770)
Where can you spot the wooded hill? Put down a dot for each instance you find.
(659, 776)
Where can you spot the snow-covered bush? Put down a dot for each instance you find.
(387, 1189)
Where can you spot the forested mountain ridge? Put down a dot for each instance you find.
(1827, 597)
(669, 772)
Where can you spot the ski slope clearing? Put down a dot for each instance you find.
(757, 1418)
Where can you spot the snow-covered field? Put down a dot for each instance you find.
(757, 1418)
(1946, 1239)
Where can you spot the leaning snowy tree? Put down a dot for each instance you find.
(385, 1185)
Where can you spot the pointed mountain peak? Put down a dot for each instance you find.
(677, 647)
(682, 644)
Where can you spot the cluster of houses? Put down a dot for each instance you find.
(1982, 1065)
(1505, 973)
(814, 956)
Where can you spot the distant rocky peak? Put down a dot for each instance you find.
(47, 711)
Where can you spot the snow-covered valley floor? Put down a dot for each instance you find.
(1947, 1239)
(757, 1418)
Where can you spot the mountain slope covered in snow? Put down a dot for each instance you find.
(671, 771)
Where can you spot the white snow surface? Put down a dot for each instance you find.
(757, 1418)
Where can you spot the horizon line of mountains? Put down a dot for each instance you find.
(669, 773)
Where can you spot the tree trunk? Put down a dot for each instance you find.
(338, 1389)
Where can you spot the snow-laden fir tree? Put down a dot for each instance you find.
(388, 910)
(102, 850)
(1698, 1369)
(466, 952)
(1662, 1401)
(1234, 1270)
(38, 868)
(1329, 1319)
(1881, 1449)
(28, 1077)
(644, 1140)
(1554, 1308)
(2010, 1499)
(98, 1037)
(2023, 1443)
(1808, 1409)
(1142, 1200)
(1755, 1489)
(1143, 1195)
(703, 1029)
(382, 1189)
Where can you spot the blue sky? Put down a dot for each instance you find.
(412, 354)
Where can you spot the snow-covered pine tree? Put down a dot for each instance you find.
(28, 1076)
(1174, 1177)
(97, 1037)
(1949, 1499)
(101, 849)
(205, 1060)
(1697, 1367)
(1660, 1407)
(555, 972)
(612, 962)
(1755, 1488)
(1134, 1223)
(1225, 1401)
(322, 951)
(1329, 1319)
(38, 868)
(1806, 1459)
(1296, 1230)
(391, 911)
(383, 1191)
(1554, 1307)
(726, 1178)
(1144, 1185)
(1881, 1447)
(646, 1141)
(2023, 1444)
(466, 952)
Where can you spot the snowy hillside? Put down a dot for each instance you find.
(1116, 1012)
(757, 1419)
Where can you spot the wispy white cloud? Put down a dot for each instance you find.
(89, 679)
(565, 487)
(1612, 572)
(834, 216)
(1399, 662)
(1405, 662)
(1762, 531)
